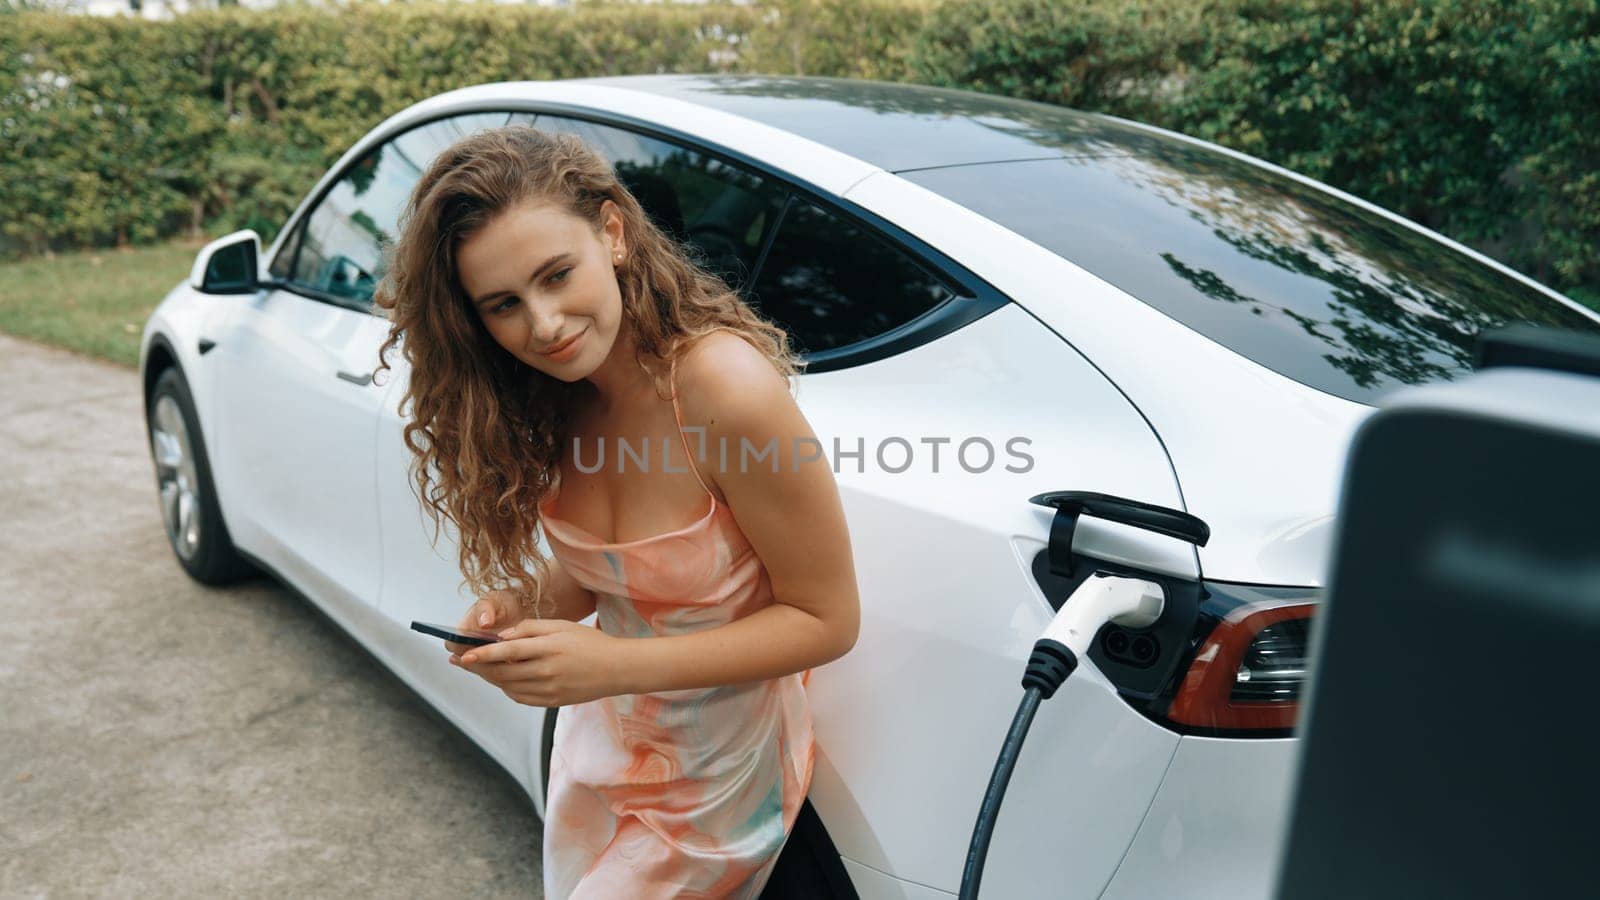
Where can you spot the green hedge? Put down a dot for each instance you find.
(1478, 118)
(1451, 112)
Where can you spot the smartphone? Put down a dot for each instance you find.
(471, 637)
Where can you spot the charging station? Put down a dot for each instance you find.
(1449, 747)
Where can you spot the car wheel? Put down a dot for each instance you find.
(183, 481)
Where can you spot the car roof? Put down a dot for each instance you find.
(900, 127)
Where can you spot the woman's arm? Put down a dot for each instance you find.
(563, 597)
(793, 518)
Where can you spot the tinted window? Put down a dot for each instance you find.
(832, 283)
(1315, 288)
(342, 251)
(721, 211)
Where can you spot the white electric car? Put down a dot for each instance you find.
(998, 300)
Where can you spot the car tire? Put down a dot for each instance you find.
(808, 866)
(547, 743)
(184, 487)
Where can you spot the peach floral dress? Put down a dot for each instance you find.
(682, 794)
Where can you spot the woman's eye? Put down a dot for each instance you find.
(561, 275)
(505, 304)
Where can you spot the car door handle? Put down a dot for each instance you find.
(353, 378)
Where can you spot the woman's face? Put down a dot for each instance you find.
(541, 279)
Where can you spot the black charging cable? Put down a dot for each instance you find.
(1101, 598)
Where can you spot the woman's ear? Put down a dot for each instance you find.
(612, 226)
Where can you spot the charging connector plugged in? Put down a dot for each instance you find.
(1102, 598)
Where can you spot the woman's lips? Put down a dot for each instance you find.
(564, 351)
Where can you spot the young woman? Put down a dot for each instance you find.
(552, 332)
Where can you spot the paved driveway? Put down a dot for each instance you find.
(159, 738)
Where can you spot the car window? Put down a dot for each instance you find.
(341, 252)
(831, 282)
(720, 210)
(1309, 285)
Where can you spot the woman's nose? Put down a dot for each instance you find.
(547, 322)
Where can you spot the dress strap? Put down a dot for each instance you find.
(678, 414)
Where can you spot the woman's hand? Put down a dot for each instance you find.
(492, 612)
(550, 662)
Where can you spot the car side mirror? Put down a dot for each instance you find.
(227, 265)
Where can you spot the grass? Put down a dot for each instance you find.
(92, 301)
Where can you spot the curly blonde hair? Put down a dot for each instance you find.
(486, 431)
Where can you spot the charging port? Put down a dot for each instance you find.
(1130, 649)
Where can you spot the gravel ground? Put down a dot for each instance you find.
(162, 738)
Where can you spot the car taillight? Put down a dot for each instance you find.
(1274, 664)
(1247, 673)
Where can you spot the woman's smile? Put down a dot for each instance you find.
(567, 349)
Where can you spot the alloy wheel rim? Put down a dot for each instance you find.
(176, 476)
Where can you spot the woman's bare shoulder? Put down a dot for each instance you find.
(730, 385)
(720, 367)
